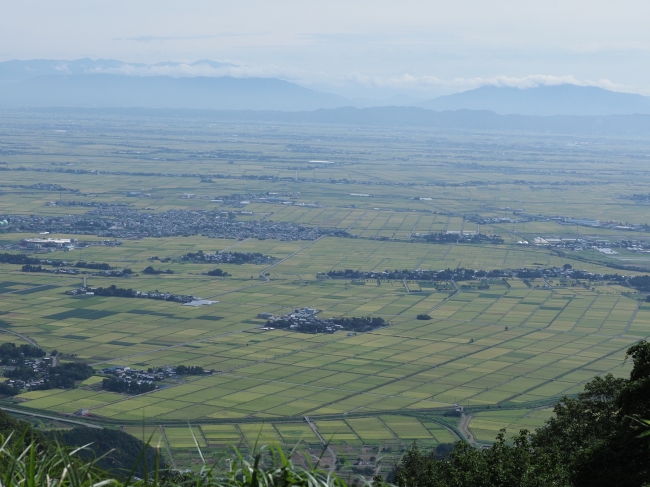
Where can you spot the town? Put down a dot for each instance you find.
(124, 222)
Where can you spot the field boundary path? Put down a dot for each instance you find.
(629, 323)
(457, 290)
(356, 221)
(234, 245)
(415, 226)
(167, 447)
(172, 346)
(220, 372)
(263, 272)
(329, 449)
(406, 286)
(444, 256)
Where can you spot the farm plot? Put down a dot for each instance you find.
(485, 425)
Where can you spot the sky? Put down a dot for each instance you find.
(355, 48)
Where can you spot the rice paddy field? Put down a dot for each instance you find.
(505, 354)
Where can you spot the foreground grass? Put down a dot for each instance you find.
(26, 464)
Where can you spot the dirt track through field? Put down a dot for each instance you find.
(464, 428)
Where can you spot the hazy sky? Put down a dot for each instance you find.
(355, 48)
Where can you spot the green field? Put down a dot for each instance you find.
(515, 347)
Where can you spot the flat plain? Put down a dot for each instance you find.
(504, 353)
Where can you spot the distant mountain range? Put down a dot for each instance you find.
(109, 83)
(214, 93)
(543, 101)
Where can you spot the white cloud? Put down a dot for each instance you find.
(62, 67)
(201, 68)
(424, 83)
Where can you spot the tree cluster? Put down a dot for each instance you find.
(460, 274)
(365, 323)
(189, 370)
(34, 268)
(18, 259)
(64, 376)
(217, 273)
(476, 238)
(114, 291)
(130, 387)
(237, 258)
(316, 325)
(93, 265)
(12, 354)
(150, 270)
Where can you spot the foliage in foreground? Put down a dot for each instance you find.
(31, 466)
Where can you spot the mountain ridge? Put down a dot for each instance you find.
(198, 92)
(565, 99)
(206, 84)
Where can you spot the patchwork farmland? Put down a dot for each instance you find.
(501, 349)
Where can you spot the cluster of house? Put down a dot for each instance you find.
(89, 204)
(301, 319)
(148, 376)
(599, 245)
(125, 222)
(40, 367)
(127, 374)
(56, 270)
(46, 244)
(242, 199)
(113, 273)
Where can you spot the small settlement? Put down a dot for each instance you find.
(305, 320)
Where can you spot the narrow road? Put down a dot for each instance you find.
(36, 415)
(415, 226)
(629, 323)
(325, 444)
(446, 252)
(234, 245)
(447, 298)
(464, 428)
(356, 221)
(406, 286)
(26, 338)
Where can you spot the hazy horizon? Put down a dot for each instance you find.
(359, 50)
